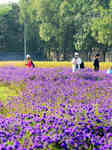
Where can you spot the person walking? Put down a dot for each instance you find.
(76, 62)
(29, 63)
(96, 63)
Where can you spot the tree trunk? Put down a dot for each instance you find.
(89, 55)
(65, 55)
(57, 55)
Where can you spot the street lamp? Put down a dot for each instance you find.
(25, 39)
(25, 29)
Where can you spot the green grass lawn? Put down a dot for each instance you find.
(6, 92)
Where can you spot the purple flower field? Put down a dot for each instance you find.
(56, 109)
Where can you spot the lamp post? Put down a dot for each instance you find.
(25, 29)
(25, 47)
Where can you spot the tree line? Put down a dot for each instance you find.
(57, 27)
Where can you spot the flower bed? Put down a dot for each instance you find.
(56, 109)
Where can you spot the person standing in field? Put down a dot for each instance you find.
(29, 63)
(109, 71)
(96, 63)
(76, 62)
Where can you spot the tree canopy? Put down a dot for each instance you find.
(60, 26)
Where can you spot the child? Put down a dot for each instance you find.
(96, 63)
(76, 62)
(30, 63)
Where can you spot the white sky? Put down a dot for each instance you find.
(7, 1)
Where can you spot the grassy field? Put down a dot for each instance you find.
(48, 64)
(6, 92)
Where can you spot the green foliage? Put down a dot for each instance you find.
(102, 26)
(47, 30)
(62, 21)
(60, 25)
(11, 36)
(102, 30)
(4, 9)
(91, 147)
(9, 143)
(55, 147)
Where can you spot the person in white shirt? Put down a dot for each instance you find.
(76, 61)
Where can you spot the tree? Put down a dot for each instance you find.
(101, 26)
(71, 25)
(59, 21)
(10, 29)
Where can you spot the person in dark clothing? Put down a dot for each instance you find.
(82, 65)
(96, 63)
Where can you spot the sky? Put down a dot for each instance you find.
(7, 1)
